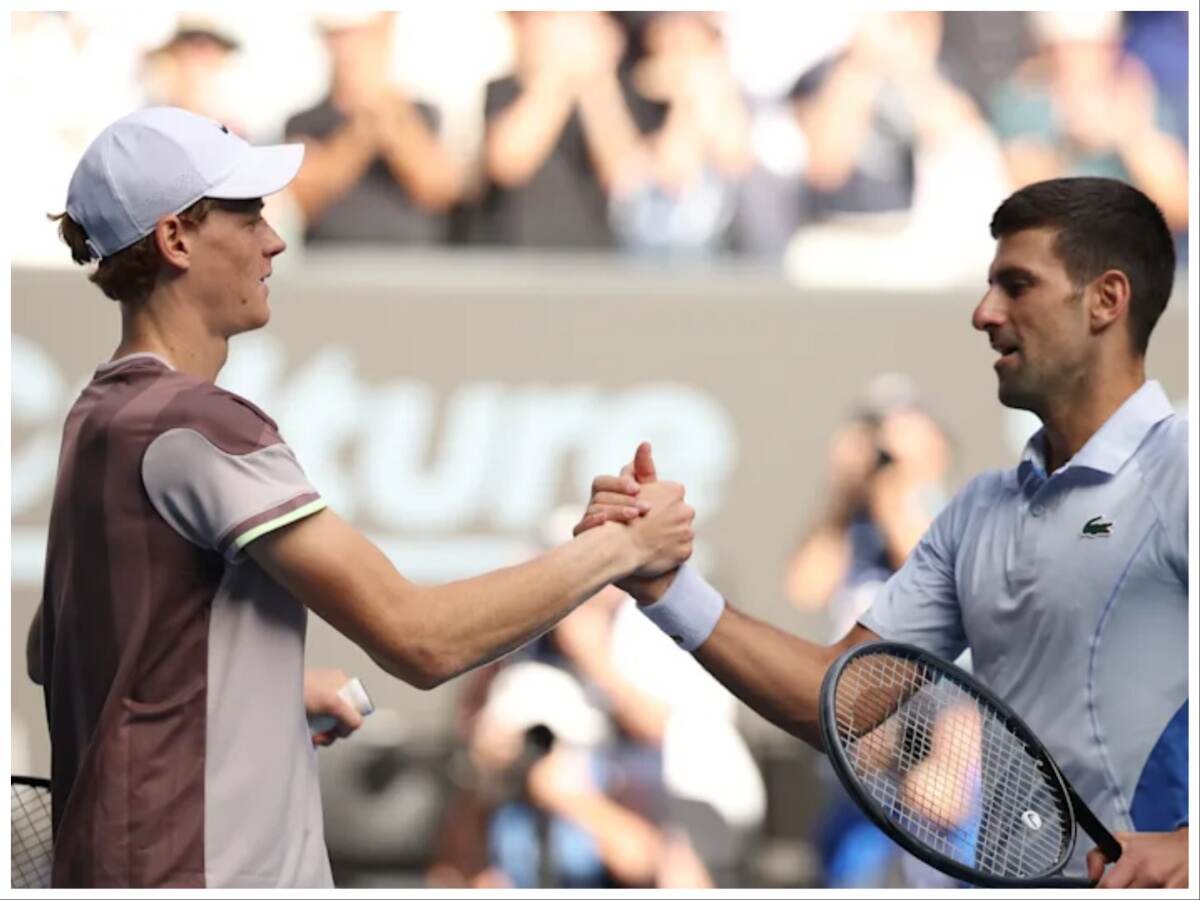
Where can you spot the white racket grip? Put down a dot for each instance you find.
(353, 693)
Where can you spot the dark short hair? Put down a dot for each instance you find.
(1102, 224)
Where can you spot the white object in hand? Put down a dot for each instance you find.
(353, 693)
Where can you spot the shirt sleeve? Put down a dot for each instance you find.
(1166, 477)
(919, 603)
(223, 483)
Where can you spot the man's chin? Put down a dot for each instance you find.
(1013, 397)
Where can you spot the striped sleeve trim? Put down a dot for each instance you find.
(269, 520)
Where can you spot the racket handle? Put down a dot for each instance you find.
(1107, 844)
(353, 693)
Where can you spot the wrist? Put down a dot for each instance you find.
(622, 550)
(648, 590)
(688, 611)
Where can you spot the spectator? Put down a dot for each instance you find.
(53, 56)
(189, 69)
(560, 134)
(981, 50)
(1082, 107)
(898, 158)
(374, 171)
(1159, 38)
(770, 49)
(887, 474)
(686, 199)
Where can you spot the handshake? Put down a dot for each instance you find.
(658, 523)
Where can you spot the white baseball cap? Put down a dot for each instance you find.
(160, 161)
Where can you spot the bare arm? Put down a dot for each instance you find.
(837, 120)
(416, 159)
(332, 166)
(617, 149)
(427, 635)
(629, 845)
(939, 109)
(1157, 164)
(776, 674)
(520, 138)
(33, 649)
(585, 637)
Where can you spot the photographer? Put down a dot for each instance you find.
(887, 469)
(886, 475)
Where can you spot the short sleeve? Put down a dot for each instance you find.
(919, 604)
(499, 96)
(224, 479)
(1165, 472)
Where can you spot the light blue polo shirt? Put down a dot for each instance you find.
(1071, 593)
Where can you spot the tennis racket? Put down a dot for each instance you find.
(949, 772)
(32, 844)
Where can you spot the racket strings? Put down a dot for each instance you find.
(946, 769)
(32, 844)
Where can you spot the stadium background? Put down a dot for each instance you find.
(450, 398)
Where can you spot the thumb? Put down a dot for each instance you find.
(1095, 865)
(643, 464)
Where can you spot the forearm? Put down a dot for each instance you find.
(480, 619)
(331, 167)
(1158, 165)
(940, 110)
(521, 138)
(417, 161)
(640, 714)
(425, 635)
(818, 567)
(629, 845)
(836, 122)
(617, 150)
(898, 513)
(776, 674)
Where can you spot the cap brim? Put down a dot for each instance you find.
(262, 171)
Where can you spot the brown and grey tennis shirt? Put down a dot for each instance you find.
(174, 665)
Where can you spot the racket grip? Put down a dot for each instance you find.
(353, 693)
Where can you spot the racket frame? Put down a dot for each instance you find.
(1077, 812)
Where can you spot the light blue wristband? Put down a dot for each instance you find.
(688, 611)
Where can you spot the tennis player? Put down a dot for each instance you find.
(1066, 577)
(186, 543)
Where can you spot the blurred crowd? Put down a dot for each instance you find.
(602, 755)
(807, 139)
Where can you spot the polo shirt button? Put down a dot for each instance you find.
(1037, 509)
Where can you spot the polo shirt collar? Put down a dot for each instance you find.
(1114, 444)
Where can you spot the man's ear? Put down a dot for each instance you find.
(174, 242)
(1109, 299)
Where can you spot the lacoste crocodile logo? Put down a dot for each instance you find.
(1093, 527)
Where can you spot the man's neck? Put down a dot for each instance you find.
(167, 328)
(1070, 423)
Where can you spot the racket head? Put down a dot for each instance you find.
(944, 767)
(32, 840)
